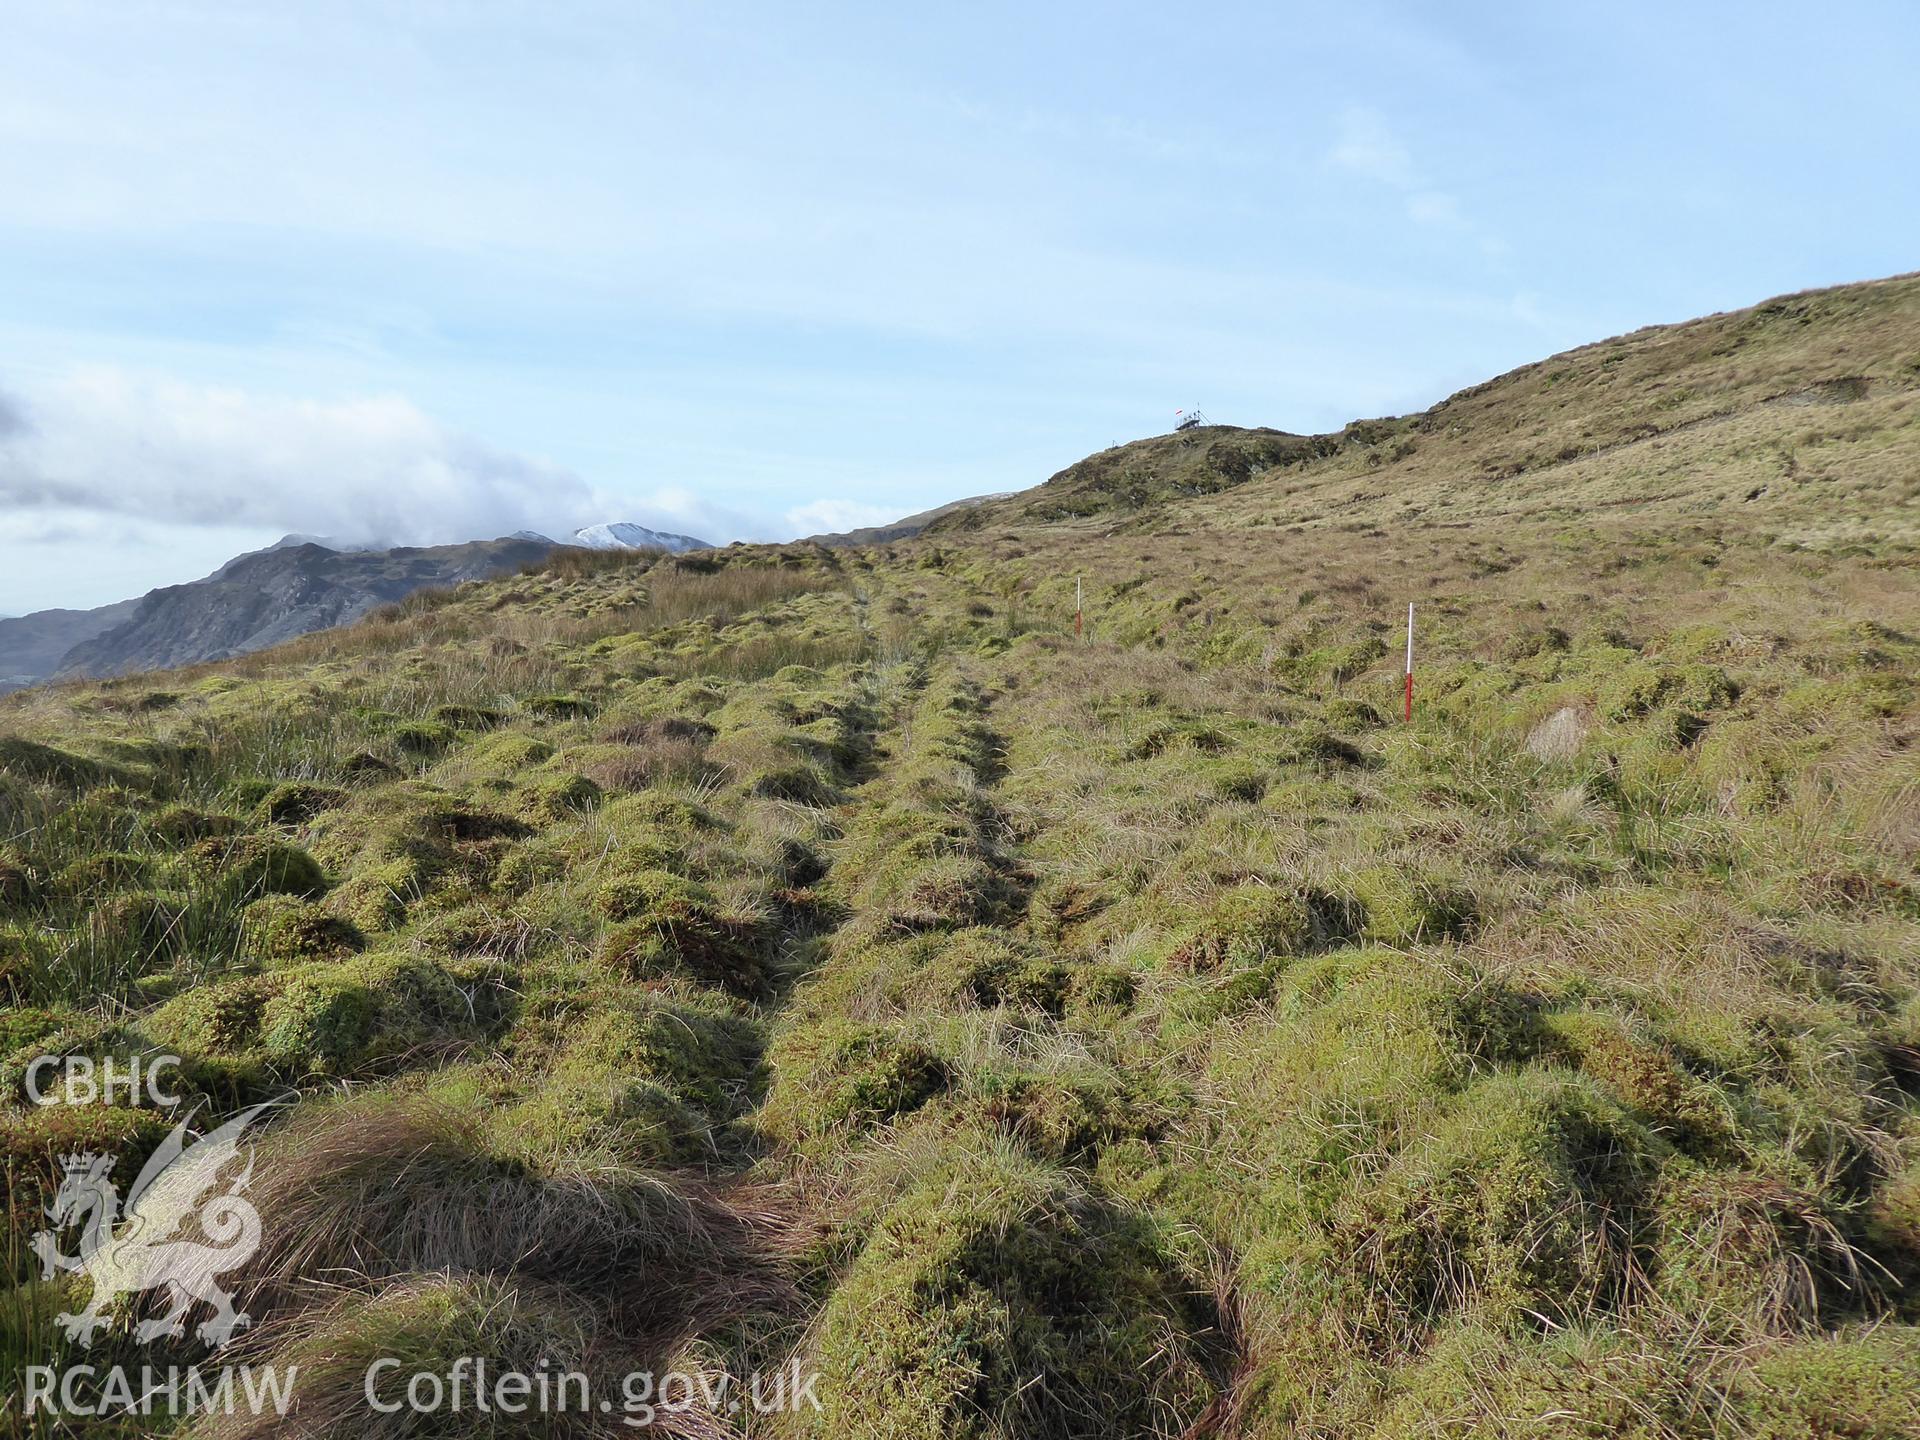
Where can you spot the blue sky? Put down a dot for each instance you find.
(435, 270)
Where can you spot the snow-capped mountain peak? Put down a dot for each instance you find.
(625, 535)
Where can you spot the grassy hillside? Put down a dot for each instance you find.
(823, 955)
(1802, 414)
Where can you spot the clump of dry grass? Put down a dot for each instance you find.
(360, 1192)
(433, 1324)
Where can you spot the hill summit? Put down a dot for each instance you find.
(1799, 413)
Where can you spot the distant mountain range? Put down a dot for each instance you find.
(298, 584)
(302, 583)
(32, 646)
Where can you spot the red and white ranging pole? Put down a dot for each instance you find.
(1077, 602)
(1409, 714)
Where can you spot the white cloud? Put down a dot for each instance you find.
(1430, 207)
(172, 479)
(828, 517)
(1530, 309)
(57, 556)
(684, 512)
(1367, 146)
(108, 441)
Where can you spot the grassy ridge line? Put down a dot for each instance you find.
(1799, 416)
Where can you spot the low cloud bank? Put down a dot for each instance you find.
(149, 474)
(105, 441)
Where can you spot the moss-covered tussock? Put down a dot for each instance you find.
(998, 1297)
(334, 1016)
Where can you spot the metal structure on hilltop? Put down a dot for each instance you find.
(1188, 419)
